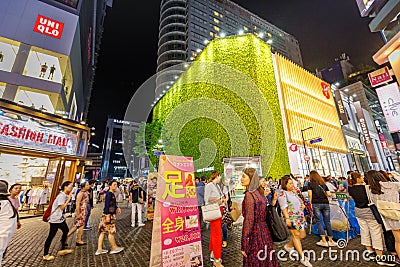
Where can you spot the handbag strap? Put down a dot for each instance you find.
(368, 195)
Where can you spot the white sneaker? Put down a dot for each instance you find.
(141, 224)
(306, 262)
(332, 244)
(287, 248)
(48, 258)
(322, 243)
(103, 251)
(132, 225)
(117, 250)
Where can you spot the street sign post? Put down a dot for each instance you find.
(313, 141)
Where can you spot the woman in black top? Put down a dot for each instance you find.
(318, 194)
(370, 231)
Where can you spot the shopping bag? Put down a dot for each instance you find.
(211, 212)
(389, 210)
(236, 211)
(277, 228)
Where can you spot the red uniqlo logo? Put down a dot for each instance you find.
(48, 26)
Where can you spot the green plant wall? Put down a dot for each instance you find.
(232, 118)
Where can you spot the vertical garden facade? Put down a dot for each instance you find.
(226, 105)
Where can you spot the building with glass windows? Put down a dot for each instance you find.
(186, 26)
(48, 53)
(115, 164)
(47, 61)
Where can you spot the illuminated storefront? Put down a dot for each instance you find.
(39, 151)
(312, 128)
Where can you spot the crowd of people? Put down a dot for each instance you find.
(297, 200)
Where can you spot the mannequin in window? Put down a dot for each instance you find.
(52, 69)
(1, 56)
(43, 69)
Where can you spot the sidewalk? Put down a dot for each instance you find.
(26, 247)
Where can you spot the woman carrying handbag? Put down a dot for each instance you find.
(213, 194)
(256, 236)
(383, 190)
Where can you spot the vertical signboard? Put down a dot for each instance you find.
(176, 240)
(389, 98)
(364, 129)
(340, 108)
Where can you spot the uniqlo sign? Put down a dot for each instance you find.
(48, 26)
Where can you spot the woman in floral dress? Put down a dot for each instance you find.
(257, 244)
(82, 201)
(292, 208)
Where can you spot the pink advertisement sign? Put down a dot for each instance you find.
(180, 227)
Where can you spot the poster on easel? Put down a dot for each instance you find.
(176, 239)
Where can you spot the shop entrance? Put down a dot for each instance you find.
(233, 168)
(37, 176)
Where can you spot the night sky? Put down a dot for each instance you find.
(324, 29)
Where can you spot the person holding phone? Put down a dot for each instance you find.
(107, 222)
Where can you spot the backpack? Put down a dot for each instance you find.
(47, 212)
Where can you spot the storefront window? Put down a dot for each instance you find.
(8, 53)
(45, 65)
(41, 101)
(30, 172)
(71, 3)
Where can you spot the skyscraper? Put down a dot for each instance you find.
(186, 26)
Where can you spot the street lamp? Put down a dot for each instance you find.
(305, 148)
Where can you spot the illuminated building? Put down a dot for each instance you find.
(115, 164)
(186, 26)
(47, 60)
(269, 107)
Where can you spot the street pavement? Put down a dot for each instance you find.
(26, 247)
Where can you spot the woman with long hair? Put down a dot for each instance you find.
(255, 231)
(213, 194)
(57, 221)
(381, 189)
(292, 207)
(370, 230)
(8, 218)
(318, 194)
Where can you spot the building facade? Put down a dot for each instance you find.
(47, 62)
(186, 26)
(115, 162)
(47, 59)
(376, 138)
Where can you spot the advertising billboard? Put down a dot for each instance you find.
(38, 24)
(389, 98)
(380, 76)
(365, 131)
